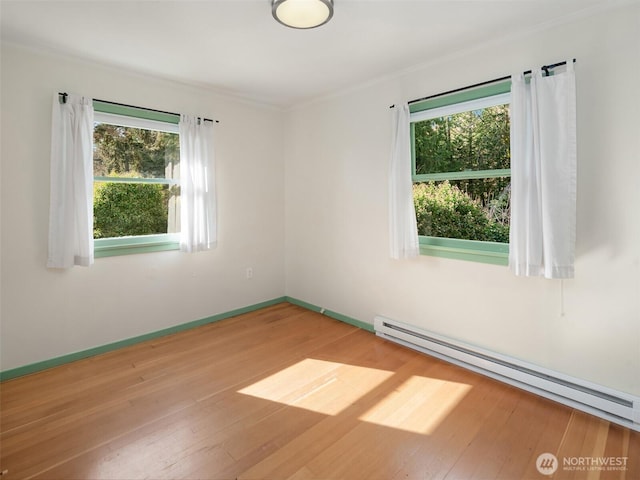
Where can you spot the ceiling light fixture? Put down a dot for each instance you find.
(302, 13)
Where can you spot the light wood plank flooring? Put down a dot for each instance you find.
(284, 393)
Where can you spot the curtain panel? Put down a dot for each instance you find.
(198, 217)
(543, 174)
(71, 192)
(403, 229)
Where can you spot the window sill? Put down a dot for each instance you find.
(110, 247)
(469, 250)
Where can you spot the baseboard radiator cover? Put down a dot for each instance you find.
(617, 407)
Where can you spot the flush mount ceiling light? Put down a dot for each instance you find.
(302, 13)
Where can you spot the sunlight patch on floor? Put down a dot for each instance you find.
(318, 385)
(419, 405)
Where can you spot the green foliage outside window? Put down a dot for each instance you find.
(121, 150)
(124, 209)
(444, 210)
(129, 208)
(474, 140)
(455, 146)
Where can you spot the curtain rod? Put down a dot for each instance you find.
(64, 100)
(546, 69)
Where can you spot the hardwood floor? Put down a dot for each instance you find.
(284, 393)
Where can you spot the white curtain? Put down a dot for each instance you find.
(403, 230)
(543, 174)
(198, 219)
(71, 194)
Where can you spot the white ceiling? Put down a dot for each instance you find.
(236, 47)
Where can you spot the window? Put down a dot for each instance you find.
(461, 173)
(136, 194)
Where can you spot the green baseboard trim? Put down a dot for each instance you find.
(91, 352)
(331, 314)
(55, 362)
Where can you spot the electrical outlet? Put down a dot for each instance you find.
(249, 272)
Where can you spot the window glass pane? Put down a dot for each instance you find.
(466, 209)
(474, 140)
(126, 209)
(134, 152)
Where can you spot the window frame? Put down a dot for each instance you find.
(493, 253)
(116, 246)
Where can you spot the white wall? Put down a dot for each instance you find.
(337, 152)
(47, 313)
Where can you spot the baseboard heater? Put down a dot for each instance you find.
(617, 407)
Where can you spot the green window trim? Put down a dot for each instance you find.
(161, 181)
(459, 97)
(469, 250)
(465, 175)
(136, 112)
(109, 247)
(117, 246)
(492, 253)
